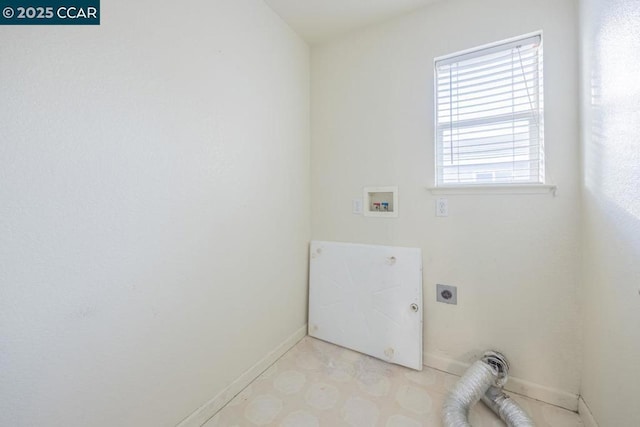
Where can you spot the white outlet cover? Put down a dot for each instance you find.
(356, 206)
(442, 207)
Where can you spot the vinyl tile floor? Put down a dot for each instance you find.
(320, 384)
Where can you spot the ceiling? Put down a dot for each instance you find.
(319, 20)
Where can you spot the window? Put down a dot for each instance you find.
(489, 121)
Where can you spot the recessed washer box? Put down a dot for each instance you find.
(381, 201)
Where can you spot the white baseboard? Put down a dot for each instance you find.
(516, 385)
(209, 409)
(585, 414)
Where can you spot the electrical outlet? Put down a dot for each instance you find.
(447, 294)
(356, 206)
(442, 207)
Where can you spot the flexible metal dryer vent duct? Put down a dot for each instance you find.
(483, 380)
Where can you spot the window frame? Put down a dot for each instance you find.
(539, 170)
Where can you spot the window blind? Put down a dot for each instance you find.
(489, 121)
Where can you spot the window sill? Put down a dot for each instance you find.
(496, 189)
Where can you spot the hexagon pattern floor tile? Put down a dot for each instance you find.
(319, 384)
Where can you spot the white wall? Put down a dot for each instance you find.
(514, 258)
(610, 36)
(154, 209)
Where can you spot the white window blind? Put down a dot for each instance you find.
(489, 121)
